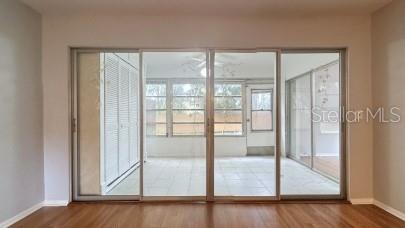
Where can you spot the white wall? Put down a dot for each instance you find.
(189, 147)
(62, 31)
(21, 144)
(388, 45)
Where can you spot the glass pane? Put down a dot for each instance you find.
(188, 102)
(155, 103)
(261, 101)
(326, 132)
(228, 89)
(300, 120)
(228, 102)
(156, 129)
(155, 90)
(188, 89)
(244, 160)
(113, 119)
(188, 116)
(228, 116)
(175, 164)
(155, 116)
(188, 129)
(312, 159)
(262, 120)
(228, 129)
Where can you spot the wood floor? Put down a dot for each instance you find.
(211, 215)
(328, 165)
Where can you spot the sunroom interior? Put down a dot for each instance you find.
(175, 123)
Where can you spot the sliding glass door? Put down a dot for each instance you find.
(106, 125)
(245, 151)
(312, 163)
(174, 124)
(207, 124)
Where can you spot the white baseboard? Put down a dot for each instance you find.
(390, 210)
(362, 201)
(55, 203)
(25, 213)
(381, 205)
(21, 215)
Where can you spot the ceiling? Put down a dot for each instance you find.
(259, 65)
(295, 64)
(212, 7)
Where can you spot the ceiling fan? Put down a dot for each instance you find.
(201, 60)
(224, 62)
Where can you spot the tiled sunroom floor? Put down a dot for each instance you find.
(234, 176)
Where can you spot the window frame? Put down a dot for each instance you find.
(159, 82)
(242, 83)
(170, 99)
(171, 83)
(252, 91)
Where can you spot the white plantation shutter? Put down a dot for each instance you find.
(123, 117)
(111, 96)
(120, 117)
(133, 117)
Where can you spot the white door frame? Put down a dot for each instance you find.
(210, 56)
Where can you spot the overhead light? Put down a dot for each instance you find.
(203, 72)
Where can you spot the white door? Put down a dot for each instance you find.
(260, 119)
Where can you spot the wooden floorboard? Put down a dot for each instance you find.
(211, 215)
(329, 165)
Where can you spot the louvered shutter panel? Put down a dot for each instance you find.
(123, 117)
(133, 116)
(111, 96)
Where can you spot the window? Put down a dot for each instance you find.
(262, 110)
(188, 108)
(228, 109)
(156, 124)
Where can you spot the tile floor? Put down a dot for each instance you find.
(234, 176)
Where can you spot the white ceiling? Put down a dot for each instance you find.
(295, 64)
(212, 7)
(260, 65)
(192, 65)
